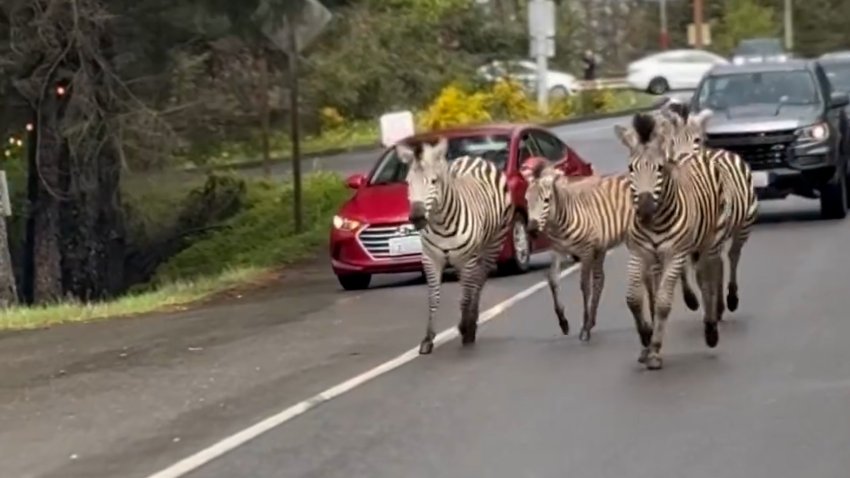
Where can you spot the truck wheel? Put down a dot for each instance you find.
(520, 260)
(833, 198)
(354, 281)
(658, 86)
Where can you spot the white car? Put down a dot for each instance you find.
(671, 70)
(558, 83)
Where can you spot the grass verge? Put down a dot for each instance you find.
(246, 247)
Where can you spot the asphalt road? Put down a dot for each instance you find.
(131, 397)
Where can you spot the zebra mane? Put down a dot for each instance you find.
(681, 109)
(578, 186)
(644, 127)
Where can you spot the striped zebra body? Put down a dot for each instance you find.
(740, 199)
(678, 216)
(463, 212)
(585, 219)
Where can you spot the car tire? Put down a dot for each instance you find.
(658, 86)
(354, 281)
(558, 93)
(833, 198)
(520, 260)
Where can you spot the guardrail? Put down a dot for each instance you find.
(602, 83)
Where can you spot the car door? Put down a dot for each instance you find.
(526, 147)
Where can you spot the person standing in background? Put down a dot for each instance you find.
(589, 60)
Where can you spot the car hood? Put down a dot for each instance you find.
(754, 118)
(378, 204)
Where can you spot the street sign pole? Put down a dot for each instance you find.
(541, 32)
(294, 126)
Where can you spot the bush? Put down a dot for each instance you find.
(262, 233)
(508, 100)
(454, 106)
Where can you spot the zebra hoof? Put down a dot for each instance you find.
(691, 301)
(654, 363)
(732, 301)
(426, 347)
(644, 354)
(565, 326)
(711, 335)
(584, 336)
(467, 334)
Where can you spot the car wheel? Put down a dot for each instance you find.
(520, 259)
(558, 93)
(354, 281)
(833, 198)
(658, 86)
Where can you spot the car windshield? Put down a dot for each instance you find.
(491, 147)
(839, 76)
(759, 47)
(721, 92)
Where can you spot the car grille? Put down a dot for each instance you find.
(376, 240)
(759, 150)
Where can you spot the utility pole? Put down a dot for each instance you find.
(665, 37)
(294, 125)
(698, 24)
(789, 25)
(541, 35)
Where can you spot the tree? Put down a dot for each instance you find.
(744, 19)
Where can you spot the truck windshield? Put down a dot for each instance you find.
(759, 47)
(770, 87)
(491, 147)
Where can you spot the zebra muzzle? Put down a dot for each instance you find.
(645, 207)
(417, 215)
(533, 228)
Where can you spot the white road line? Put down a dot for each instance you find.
(238, 439)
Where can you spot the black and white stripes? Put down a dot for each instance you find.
(463, 212)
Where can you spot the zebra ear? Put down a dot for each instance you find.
(627, 136)
(405, 154)
(699, 120)
(440, 149)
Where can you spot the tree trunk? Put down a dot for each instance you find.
(8, 288)
(263, 103)
(43, 233)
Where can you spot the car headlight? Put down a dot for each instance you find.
(345, 224)
(815, 132)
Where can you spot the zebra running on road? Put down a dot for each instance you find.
(463, 212)
(583, 218)
(678, 217)
(740, 197)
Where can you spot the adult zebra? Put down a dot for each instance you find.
(740, 196)
(463, 212)
(584, 219)
(677, 201)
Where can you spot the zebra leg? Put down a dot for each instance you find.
(711, 283)
(688, 294)
(720, 274)
(472, 278)
(434, 277)
(586, 270)
(671, 271)
(638, 276)
(554, 287)
(738, 242)
(597, 284)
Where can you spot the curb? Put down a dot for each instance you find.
(377, 147)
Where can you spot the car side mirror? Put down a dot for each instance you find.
(839, 100)
(356, 181)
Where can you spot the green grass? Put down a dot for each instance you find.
(167, 297)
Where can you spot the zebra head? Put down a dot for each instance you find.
(427, 173)
(539, 195)
(648, 143)
(688, 130)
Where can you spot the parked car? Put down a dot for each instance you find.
(786, 123)
(371, 233)
(759, 50)
(671, 70)
(836, 55)
(559, 83)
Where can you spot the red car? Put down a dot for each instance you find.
(371, 233)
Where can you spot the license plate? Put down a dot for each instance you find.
(403, 246)
(760, 179)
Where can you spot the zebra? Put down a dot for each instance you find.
(463, 212)
(584, 219)
(740, 198)
(677, 202)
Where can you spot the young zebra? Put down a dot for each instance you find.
(463, 213)
(740, 195)
(678, 216)
(584, 219)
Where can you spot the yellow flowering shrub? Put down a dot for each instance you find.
(330, 119)
(561, 108)
(508, 100)
(602, 99)
(454, 106)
